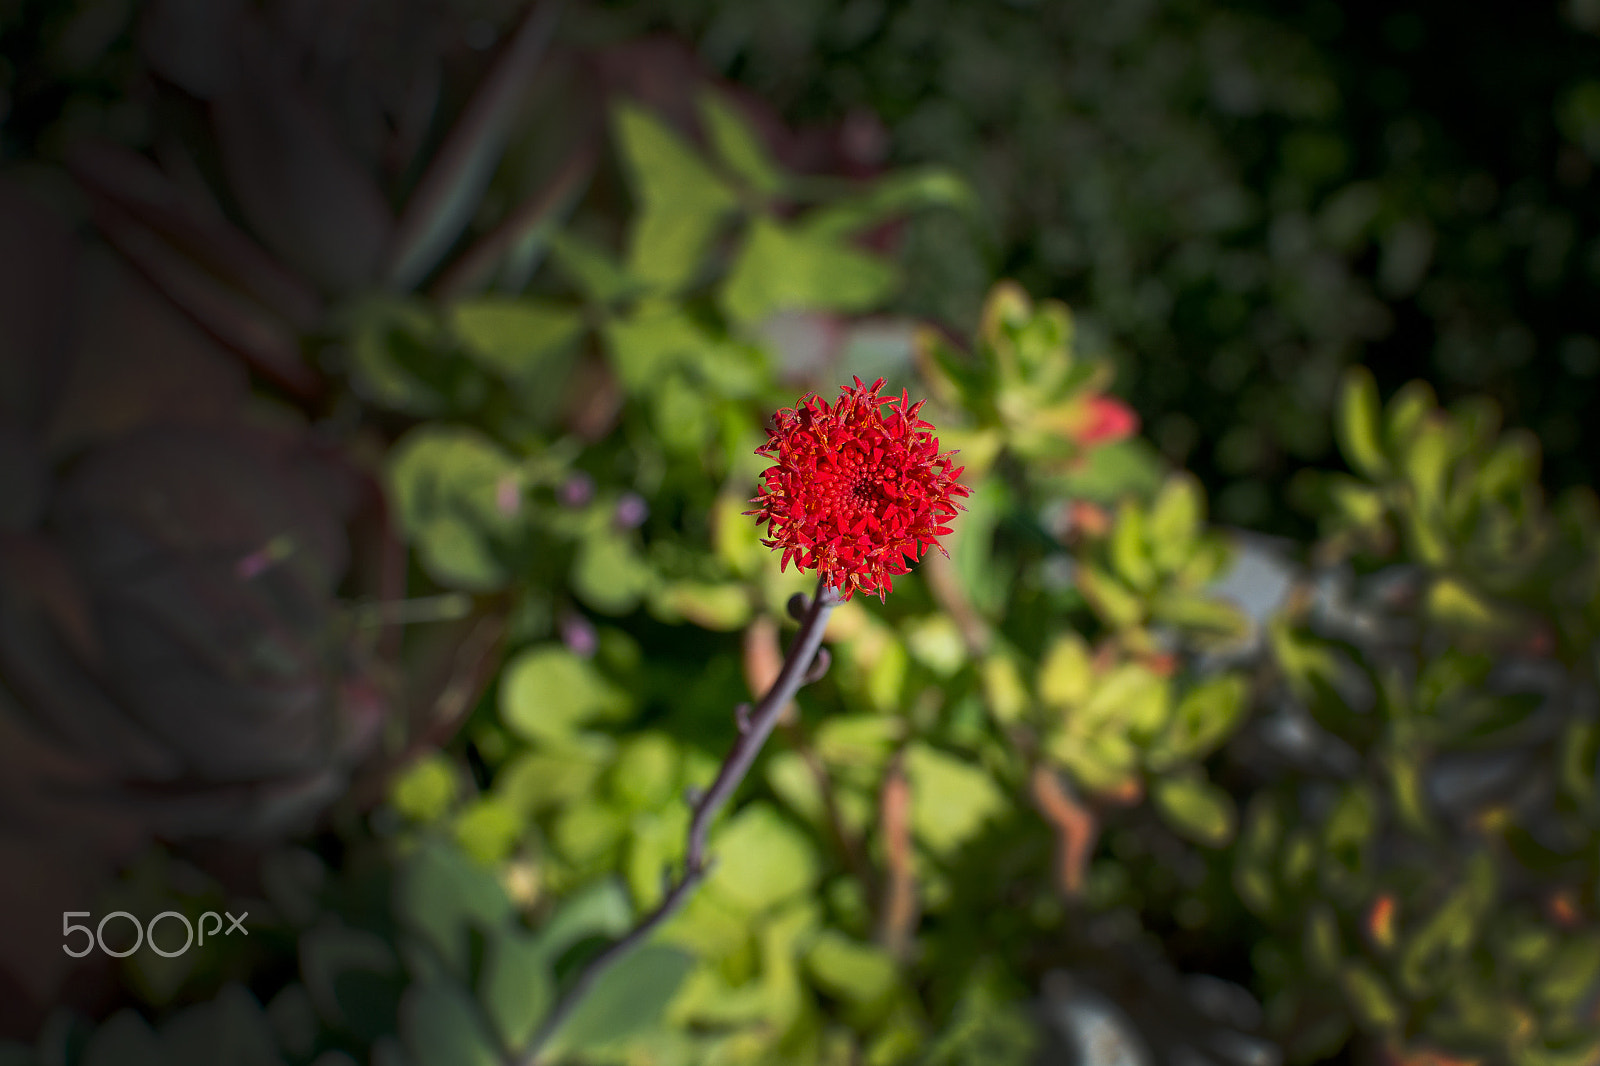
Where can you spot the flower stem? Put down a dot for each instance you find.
(740, 758)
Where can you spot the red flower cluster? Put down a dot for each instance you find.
(859, 491)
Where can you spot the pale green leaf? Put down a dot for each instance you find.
(681, 200)
(425, 791)
(1130, 557)
(762, 860)
(781, 269)
(518, 339)
(1065, 672)
(951, 799)
(1174, 521)
(852, 971)
(737, 145)
(547, 692)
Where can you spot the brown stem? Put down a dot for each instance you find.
(899, 916)
(706, 807)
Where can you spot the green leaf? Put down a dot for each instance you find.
(682, 414)
(559, 771)
(936, 642)
(1359, 424)
(609, 575)
(517, 339)
(1451, 930)
(592, 269)
(1129, 556)
(737, 145)
(781, 269)
(795, 783)
(488, 830)
(394, 361)
(427, 788)
(645, 775)
(1371, 999)
(1570, 974)
(1202, 615)
(1065, 672)
(626, 1001)
(681, 200)
(352, 977)
(656, 337)
(547, 692)
(892, 196)
(1004, 691)
(1195, 808)
(858, 973)
(440, 1024)
(950, 799)
(1407, 408)
(1174, 523)
(440, 894)
(886, 677)
(1427, 459)
(1110, 471)
(1206, 715)
(861, 740)
(597, 910)
(516, 988)
(588, 834)
(762, 860)
(1113, 601)
(447, 483)
(1129, 699)
(721, 607)
(1451, 602)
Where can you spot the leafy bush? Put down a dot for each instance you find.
(1110, 771)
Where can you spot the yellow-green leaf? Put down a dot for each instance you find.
(737, 145)
(1195, 808)
(1065, 672)
(1359, 424)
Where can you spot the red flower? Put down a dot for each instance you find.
(859, 491)
(1108, 420)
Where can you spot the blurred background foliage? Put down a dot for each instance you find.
(1239, 199)
(382, 384)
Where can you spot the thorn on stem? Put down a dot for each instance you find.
(818, 667)
(692, 796)
(741, 718)
(799, 603)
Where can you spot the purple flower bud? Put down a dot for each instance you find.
(578, 490)
(631, 511)
(578, 634)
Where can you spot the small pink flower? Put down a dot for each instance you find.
(858, 492)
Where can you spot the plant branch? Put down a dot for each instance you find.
(741, 757)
